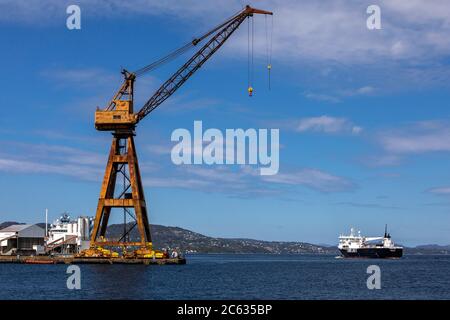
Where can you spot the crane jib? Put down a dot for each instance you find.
(119, 114)
(189, 68)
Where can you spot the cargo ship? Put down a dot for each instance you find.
(357, 246)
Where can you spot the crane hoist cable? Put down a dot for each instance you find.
(253, 46)
(269, 47)
(249, 88)
(250, 54)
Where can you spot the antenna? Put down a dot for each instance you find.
(385, 231)
(46, 222)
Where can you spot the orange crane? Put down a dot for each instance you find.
(119, 118)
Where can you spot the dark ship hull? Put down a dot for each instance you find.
(378, 253)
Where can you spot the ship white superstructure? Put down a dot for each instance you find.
(355, 245)
(69, 236)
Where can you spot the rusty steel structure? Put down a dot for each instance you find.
(119, 118)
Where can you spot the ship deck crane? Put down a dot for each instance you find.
(119, 118)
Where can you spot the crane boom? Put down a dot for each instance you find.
(196, 61)
(119, 113)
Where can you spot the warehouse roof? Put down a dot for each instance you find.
(16, 228)
(24, 231)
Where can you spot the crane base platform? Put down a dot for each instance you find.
(84, 260)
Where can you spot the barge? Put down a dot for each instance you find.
(84, 260)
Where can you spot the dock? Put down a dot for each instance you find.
(76, 260)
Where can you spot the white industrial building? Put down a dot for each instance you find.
(25, 239)
(64, 236)
(68, 236)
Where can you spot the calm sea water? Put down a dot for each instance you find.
(236, 277)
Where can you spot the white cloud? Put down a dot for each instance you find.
(318, 30)
(421, 137)
(82, 172)
(322, 97)
(159, 149)
(338, 95)
(230, 180)
(368, 205)
(356, 130)
(170, 182)
(83, 76)
(53, 159)
(325, 40)
(440, 190)
(313, 178)
(64, 153)
(366, 90)
(384, 160)
(412, 139)
(240, 181)
(327, 124)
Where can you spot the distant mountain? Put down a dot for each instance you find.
(189, 241)
(428, 249)
(433, 247)
(6, 224)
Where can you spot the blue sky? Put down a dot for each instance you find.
(363, 116)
